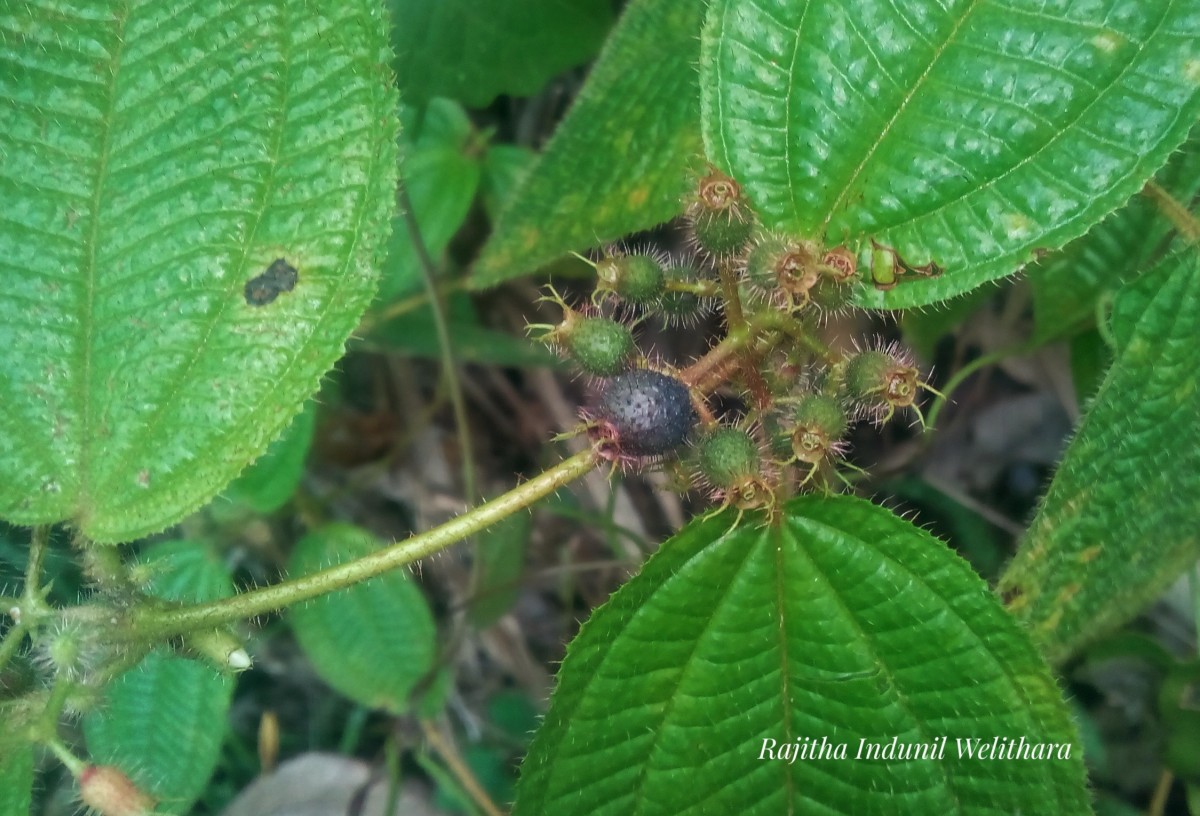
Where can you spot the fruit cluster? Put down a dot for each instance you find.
(774, 291)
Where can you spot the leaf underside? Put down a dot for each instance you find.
(968, 133)
(619, 162)
(373, 642)
(156, 158)
(843, 622)
(1119, 521)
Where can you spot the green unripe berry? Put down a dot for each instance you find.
(680, 308)
(637, 278)
(721, 233)
(727, 456)
(820, 423)
(881, 378)
(785, 265)
(721, 218)
(599, 346)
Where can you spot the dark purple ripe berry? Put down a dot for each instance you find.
(645, 413)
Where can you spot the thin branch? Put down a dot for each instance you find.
(145, 623)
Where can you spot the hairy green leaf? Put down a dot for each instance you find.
(1119, 521)
(840, 623)
(619, 161)
(163, 721)
(266, 485)
(373, 642)
(16, 777)
(155, 164)
(968, 133)
(474, 50)
(1067, 284)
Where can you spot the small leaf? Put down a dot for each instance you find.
(502, 562)
(1118, 524)
(267, 484)
(16, 777)
(619, 161)
(968, 134)
(841, 623)
(441, 175)
(372, 642)
(163, 721)
(416, 334)
(156, 166)
(474, 50)
(1067, 284)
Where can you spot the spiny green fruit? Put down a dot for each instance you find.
(720, 216)
(726, 456)
(643, 413)
(838, 281)
(636, 278)
(680, 308)
(882, 380)
(820, 422)
(600, 346)
(776, 262)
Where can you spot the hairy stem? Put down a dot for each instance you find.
(147, 623)
(1175, 211)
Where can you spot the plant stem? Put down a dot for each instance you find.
(445, 345)
(146, 623)
(966, 371)
(73, 763)
(1175, 211)
(12, 641)
(711, 367)
(462, 773)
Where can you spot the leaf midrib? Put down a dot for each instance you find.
(886, 129)
(87, 318)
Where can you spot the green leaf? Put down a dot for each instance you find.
(841, 622)
(968, 134)
(442, 172)
(502, 563)
(156, 163)
(16, 777)
(1067, 284)
(1119, 521)
(474, 50)
(505, 166)
(163, 721)
(619, 161)
(266, 485)
(373, 642)
(416, 334)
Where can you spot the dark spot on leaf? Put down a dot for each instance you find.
(280, 277)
